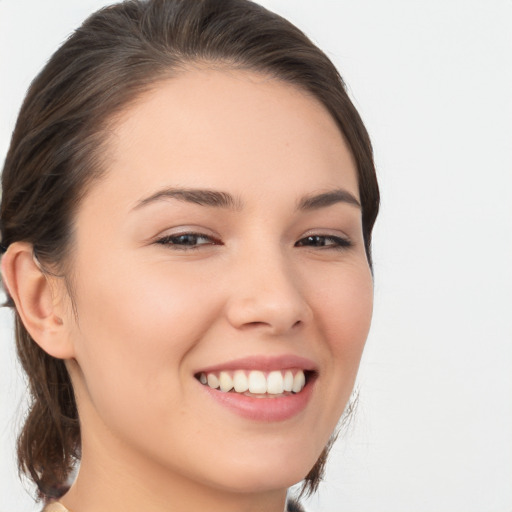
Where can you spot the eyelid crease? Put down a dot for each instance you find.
(333, 232)
(180, 229)
(310, 238)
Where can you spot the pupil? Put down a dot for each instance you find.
(187, 239)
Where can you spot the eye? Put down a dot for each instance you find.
(324, 241)
(185, 241)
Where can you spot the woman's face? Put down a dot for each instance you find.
(224, 242)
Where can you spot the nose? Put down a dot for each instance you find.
(266, 294)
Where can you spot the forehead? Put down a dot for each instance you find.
(207, 125)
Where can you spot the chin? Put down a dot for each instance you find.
(267, 471)
(277, 478)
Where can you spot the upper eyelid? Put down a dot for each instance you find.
(207, 233)
(326, 233)
(184, 230)
(346, 241)
(185, 233)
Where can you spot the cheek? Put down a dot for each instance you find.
(135, 330)
(142, 309)
(345, 310)
(346, 301)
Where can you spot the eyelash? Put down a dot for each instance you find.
(335, 242)
(173, 241)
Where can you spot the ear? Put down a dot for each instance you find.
(39, 300)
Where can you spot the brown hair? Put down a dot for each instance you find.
(55, 154)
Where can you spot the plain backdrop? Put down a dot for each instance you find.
(433, 82)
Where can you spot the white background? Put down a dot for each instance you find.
(433, 82)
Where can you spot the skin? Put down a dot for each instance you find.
(148, 315)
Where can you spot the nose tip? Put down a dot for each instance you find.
(270, 300)
(274, 318)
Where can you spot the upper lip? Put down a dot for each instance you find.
(263, 363)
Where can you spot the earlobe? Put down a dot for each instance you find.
(37, 300)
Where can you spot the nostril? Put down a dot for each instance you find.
(252, 325)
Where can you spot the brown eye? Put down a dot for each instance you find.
(327, 241)
(187, 240)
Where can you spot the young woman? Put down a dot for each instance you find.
(186, 221)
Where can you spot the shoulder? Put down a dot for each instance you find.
(291, 506)
(54, 507)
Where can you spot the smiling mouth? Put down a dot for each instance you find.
(256, 383)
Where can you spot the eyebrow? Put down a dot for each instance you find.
(219, 199)
(317, 201)
(212, 198)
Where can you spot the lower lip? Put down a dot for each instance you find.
(263, 409)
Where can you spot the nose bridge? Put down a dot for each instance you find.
(266, 291)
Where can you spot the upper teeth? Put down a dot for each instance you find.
(257, 382)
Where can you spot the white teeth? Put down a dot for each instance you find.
(275, 384)
(226, 382)
(240, 381)
(298, 381)
(288, 381)
(213, 381)
(257, 382)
